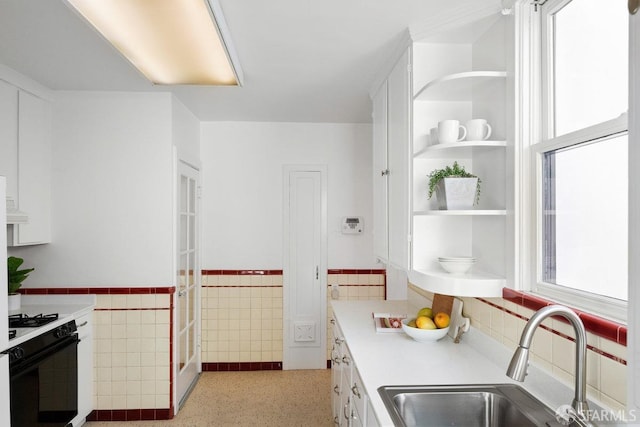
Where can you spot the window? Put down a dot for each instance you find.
(581, 171)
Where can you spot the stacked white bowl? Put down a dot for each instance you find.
(457, 265)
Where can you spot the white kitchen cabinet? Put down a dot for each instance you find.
(25, 160)
(336, 374)
(9, 137)
(84, 324)
(391, 136)
(380, 176)
(5, 403)
(350, 401)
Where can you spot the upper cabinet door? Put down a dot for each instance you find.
(380, 176)
(34, 170)
(399, 139)
(9, 137)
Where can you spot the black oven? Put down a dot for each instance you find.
(44, 378)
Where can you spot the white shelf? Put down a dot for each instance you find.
(459, 149)
(456, 87)
(473, 284)
(466, 212)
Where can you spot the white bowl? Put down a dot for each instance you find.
(457, 267)
(456, 258)
(423, 335)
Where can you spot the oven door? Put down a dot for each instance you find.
(44, 389)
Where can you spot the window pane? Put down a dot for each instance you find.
(590, 63)
(585, 193)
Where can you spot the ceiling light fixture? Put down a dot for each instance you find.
(183, 42)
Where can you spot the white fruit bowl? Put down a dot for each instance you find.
(456, 266)
(423, 335)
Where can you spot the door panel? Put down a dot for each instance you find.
(304, 292)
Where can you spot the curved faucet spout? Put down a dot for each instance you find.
(518, 366)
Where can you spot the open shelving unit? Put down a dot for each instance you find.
(463, 88)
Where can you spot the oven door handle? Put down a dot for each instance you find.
(21, 367)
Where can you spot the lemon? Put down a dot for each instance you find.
(424, 322)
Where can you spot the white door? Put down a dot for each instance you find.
(304, 274)
(188, 363)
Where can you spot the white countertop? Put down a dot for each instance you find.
(396, 359)
(68, 307)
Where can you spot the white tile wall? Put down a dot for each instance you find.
(131, 338)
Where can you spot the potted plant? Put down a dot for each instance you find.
(15, 278)
(455, 187)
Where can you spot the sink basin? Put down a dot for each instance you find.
(465, 405)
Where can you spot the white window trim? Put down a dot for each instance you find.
(530, 144)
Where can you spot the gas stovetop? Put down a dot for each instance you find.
(21, 320)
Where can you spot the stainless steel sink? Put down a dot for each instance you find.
(465, 405)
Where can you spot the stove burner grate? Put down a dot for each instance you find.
(25, 321)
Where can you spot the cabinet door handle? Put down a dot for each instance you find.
(85, 323)
(345, 360)
(336, 390)
(339, 341)
(385, 172)
(355, 391)
(336, 360)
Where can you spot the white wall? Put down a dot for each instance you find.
(112, 199)
(242, 190)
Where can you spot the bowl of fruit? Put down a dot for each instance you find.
(427, 326)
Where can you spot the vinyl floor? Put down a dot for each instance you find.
(252, 398)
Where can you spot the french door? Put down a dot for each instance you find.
(187, 331)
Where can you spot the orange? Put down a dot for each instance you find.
(441, 320)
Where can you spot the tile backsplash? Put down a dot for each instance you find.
(553, 348)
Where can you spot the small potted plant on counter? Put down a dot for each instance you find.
(15, 278)
(454, 187)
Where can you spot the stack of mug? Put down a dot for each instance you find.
(449, 131)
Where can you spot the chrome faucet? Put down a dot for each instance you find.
(518, 366)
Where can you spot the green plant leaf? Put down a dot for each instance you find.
(15, 277)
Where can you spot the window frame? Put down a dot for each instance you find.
(539, 56)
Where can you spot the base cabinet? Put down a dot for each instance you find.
(350, 403)
(84, 324)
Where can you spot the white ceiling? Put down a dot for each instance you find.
(303, 60)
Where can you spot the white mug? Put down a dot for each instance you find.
(449, 131)
(478, 130)
(433, 136)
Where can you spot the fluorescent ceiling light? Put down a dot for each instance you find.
(183, 42)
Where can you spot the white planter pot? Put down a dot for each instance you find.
(456, 193)
(14, 302)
